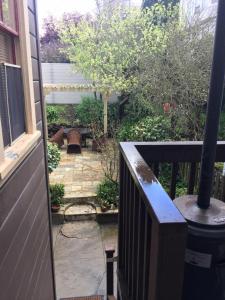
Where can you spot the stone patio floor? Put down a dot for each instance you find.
(80, 173)
(79, 250)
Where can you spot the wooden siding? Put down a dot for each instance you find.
(26, 266)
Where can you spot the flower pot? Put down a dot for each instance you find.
(55, 208)
(98, 143)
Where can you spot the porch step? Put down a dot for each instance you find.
(84, 298)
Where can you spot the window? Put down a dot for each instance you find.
(8, 15)
(6, 48)
(12, 103)
(18, 133)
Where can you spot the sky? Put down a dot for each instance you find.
(58, 7)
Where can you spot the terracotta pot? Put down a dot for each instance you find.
(55, 208)
(97, 143)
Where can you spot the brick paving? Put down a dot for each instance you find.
(80, 173)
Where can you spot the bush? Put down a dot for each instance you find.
(108, 193)
(90, 111)
(138, 107)
(148, 129)
(57, 192)
(52, 114)
(53, 157)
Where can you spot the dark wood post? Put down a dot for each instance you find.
(109, 271)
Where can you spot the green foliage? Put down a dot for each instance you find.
(61, 114)
(108, 193)
(57, 192)
(108, 51)
(52, 114)
(138, 108)
(53, 157)
(90, 111)
(151, 54)
(221, 136)
(148, 129)
(179, 74)
(165, 179)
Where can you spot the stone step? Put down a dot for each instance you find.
(79, 200)
(81, 211)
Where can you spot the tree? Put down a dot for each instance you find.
(108, 51)
(52, 46)
(149, 3)
(179, 75)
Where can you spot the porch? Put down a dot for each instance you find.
(152, 232)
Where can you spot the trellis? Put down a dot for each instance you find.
(49, 88)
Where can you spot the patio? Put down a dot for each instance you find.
(80, 173)
(79, 252)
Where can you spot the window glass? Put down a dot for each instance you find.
(4, 108)
(15, 102)
(12, 110)
(7, 13)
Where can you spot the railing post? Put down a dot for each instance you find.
(109, 271)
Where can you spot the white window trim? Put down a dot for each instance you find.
(14, 155)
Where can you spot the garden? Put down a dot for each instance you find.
(160, 70)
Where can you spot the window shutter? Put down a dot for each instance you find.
(5, 48)
(4, 107)
(12, 109)
(15, 101)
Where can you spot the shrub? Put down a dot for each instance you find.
(57, 192)
(90, 111)
(148, 129)
(53, 157)
(108, 193)
(52, 114)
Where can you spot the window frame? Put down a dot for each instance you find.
(11, 156)
(5, 27)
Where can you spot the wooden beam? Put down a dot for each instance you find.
(25, 57)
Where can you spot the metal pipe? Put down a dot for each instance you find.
(213, 110)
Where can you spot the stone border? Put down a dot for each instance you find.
(60, 217)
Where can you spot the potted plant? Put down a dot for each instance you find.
(57, 192)
(107, 194)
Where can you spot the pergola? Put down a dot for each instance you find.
(49, 88)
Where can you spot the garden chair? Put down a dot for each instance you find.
(73, 141)
(58, 137)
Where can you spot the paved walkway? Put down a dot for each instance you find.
(80, 173)
(80, 258)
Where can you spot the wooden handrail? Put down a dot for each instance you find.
(152, 233)
(176, 151)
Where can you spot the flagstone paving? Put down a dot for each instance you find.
(79, 255)
(80, 173)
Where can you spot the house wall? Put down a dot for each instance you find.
(26, 266)
(64, 73)
(192, 10)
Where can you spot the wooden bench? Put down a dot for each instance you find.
(73, 141)
(58, 137)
